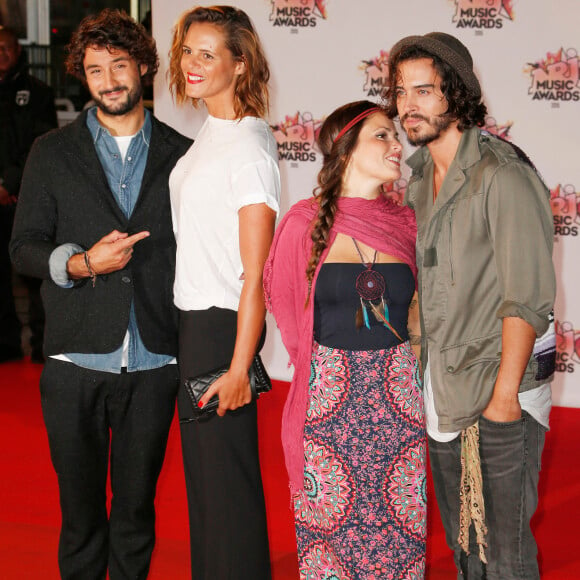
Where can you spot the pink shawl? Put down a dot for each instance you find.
(379, 223)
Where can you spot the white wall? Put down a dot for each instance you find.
(334, 52)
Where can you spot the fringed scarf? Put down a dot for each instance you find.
(378, 223)
(472, 507)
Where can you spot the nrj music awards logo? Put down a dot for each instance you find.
(492, 127)
(297, 13)
(376, 74)
(296, 137)
(482, 13)
(556, 77)
(565, 202)
(567, 347)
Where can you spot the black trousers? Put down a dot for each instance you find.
(227, 514)
(35, 316)
(9, 324)
(89, 415)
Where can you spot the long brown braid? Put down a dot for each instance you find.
(336, 157)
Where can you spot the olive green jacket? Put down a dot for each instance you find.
(484, 252)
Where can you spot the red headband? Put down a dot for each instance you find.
(354, 121)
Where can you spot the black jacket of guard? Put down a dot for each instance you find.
(26, 111)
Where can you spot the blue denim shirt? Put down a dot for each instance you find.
(124, 178)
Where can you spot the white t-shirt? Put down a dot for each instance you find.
(230, 165)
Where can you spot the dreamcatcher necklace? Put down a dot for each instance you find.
(370, 286)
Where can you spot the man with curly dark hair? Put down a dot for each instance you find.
(486, 289)
(114, 29)
(94, 222)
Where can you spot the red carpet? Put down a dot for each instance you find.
(29, 515)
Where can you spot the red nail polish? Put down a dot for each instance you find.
(200, 405)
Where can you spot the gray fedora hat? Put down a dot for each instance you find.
(449, 49)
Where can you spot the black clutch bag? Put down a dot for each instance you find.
(196, 387)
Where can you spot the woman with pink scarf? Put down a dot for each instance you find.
(341, 283)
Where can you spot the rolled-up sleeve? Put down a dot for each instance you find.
(58, 261)
(521, 229)
(258, 182)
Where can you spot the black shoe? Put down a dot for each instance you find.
(9, 353)
(36, 356)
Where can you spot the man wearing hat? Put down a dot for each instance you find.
(487, 289)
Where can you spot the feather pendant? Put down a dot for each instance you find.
(359, 322)
(380, 310)
(365, 315)
(383, 319)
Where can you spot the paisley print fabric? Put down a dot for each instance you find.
(328, 386)
(362, 513)
(327, 489)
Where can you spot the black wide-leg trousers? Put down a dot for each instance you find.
(227, 515)
(92, 419)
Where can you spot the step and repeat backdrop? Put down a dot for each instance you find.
(324, 53)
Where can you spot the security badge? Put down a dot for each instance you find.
(22, 98)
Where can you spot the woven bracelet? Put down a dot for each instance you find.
(92, 274)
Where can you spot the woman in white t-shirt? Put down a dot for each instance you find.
(225, 197)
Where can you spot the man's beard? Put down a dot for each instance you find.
(429, 133)
(120, 107)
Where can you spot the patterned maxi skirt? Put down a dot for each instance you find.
(362, 514)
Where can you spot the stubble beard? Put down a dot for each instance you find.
(121, 107)
(425, 135)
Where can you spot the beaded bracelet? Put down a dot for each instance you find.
(92, 274)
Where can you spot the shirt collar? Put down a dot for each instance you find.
(467, 153)
(97, 130)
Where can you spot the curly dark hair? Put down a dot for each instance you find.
(112, 28)
(241, 39)
(336, 156)
(462, 104)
